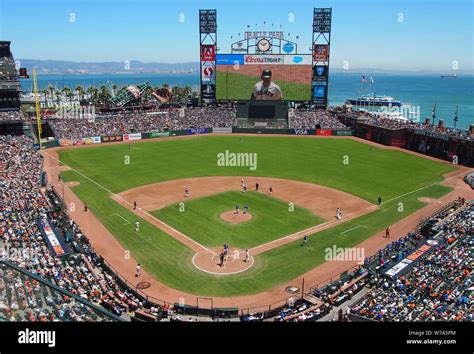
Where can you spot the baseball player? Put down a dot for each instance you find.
(237, 208)
(246, 208)
(247, 256)
(266, 89)
(305, 240)
(242, 182)
(137, 226)
(137, 274)
(186, 192)
(338, 214)
(270, 189)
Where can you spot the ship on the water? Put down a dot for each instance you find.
(373, 100)
(448, 76)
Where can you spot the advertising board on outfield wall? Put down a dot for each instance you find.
(111, 138)
(156, 135)
(301, 131)
(222, 130)
(324, 132)
(342, 132)
(199, 131)
(134, 136)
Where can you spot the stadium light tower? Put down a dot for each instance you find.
(320, 58)
(208, 49)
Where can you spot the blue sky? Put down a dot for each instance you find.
(366, 33)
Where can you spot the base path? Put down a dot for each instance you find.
(322, 201)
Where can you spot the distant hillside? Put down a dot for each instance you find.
(135, 66)
(57, 67)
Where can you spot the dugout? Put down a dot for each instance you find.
(227, 312)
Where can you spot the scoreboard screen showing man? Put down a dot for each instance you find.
(270, 77)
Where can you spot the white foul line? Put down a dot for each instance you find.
(354, 228)
(120, 216)
(128, 203)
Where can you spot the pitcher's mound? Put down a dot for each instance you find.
(232, 217)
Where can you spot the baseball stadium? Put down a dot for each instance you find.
(248, 197)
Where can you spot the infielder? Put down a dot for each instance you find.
(137, 226)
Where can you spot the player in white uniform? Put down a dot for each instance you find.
(266, 89)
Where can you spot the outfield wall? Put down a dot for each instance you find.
(192, 131)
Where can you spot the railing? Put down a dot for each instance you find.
(342, 276)
(63, 291)
(455, 203)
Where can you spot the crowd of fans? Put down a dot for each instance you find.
(141, 122)
(393, 252)
(10, 115)
(426, 127)
(342, 290)
(7, 68)
(438, 288)
(81, 272)
(23, 298)
(311, 120)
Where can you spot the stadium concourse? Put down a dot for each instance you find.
(85, 273)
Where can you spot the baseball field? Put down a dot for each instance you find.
(111, 177)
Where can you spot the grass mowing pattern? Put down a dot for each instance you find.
(369, 174)
(271, 219)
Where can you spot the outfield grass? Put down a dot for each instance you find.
(390, 174)
(271, 219)
(232, 86)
